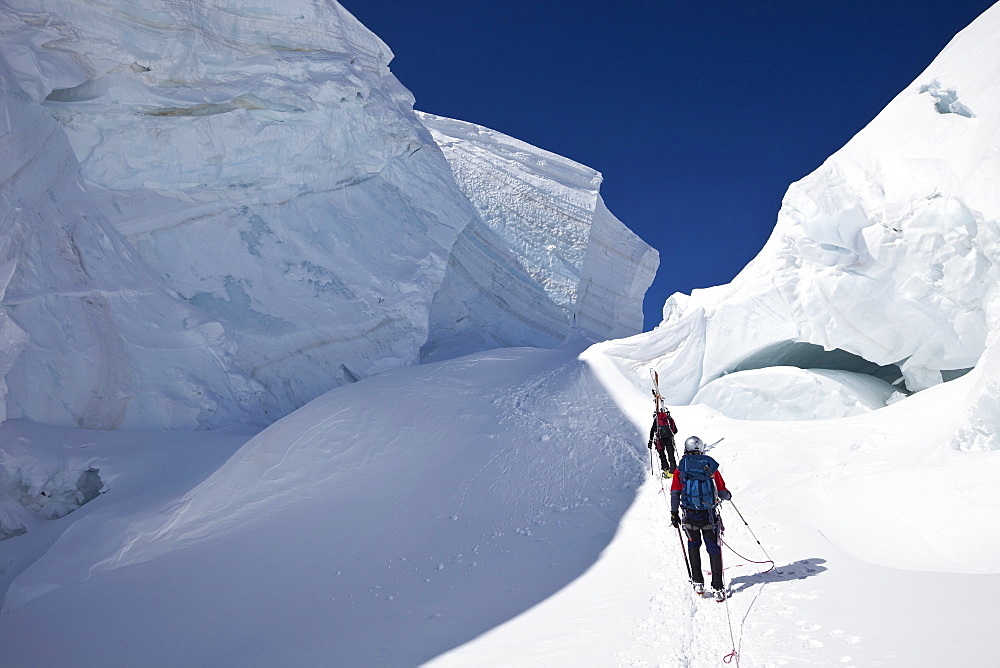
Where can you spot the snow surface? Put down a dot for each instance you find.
(500, 509)
(497, 509)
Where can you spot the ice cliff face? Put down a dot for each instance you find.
(544, 255)
(259, 168)
(884, 261)
(88, 337)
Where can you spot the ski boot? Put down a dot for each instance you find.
(720, 595)
(699, 588)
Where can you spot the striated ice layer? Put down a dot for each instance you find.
(12, 337)
(265, 163)
(545, 255)
(888, 252)
(104, 344)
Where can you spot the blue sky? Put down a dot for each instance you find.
(699, 113)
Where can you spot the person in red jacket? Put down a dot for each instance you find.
(661, 434)
(697, 489)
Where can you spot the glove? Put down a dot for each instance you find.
(675, 520)
(650, 445)
(725, 494)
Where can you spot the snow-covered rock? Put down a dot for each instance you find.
(545, 254)
(889, 253)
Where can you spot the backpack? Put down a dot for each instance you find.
(663, 431)
(698, 482)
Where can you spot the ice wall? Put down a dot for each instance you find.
(545, 254)
(102, 344)
(265, 166)
(887, 252)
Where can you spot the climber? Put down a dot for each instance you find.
(697, 489)
(661, 434)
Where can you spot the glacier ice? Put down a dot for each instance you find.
(544, 255)
(888, 252)
(264, 166)
(90, 338)
(791, 393)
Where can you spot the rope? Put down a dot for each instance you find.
(734, 655)
(769, 561)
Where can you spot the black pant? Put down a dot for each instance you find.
(666, 452)
(705, 524)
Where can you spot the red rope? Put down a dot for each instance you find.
(734, 655)
(769, 561)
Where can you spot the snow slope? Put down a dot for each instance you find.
(417, 496)
(500, 517)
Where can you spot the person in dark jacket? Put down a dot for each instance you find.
(701, 518)
(661, 434)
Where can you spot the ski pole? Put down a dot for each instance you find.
(750, 530)
(651, 472)
(687, 562)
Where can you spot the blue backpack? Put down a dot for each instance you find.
(698, 482)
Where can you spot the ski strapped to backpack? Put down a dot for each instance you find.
(657, 397)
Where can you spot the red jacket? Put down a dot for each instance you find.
(720, 484)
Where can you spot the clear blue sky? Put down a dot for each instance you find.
(699, 113)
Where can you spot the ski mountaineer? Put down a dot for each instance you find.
(696, 489)
(661, 434)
